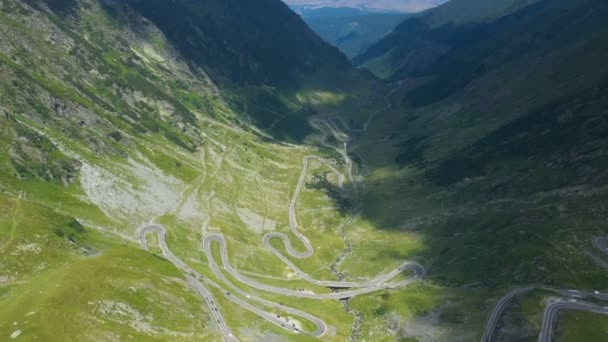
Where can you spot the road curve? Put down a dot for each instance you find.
(498, 310)
(293, 223)
(364, 287)
(194, 278)
(558, 305)
(601, 243)
(341, 137)
(370, 285)
(418, 269)
(355, 288)
(200, 288)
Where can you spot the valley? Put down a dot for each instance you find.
(379, 283)
(207, 171)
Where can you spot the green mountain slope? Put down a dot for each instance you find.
(419, 41)
(242, 40)
(494, 155)
(111, 118)
(486, 168)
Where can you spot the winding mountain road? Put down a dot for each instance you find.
(348, 289)
(341, 137)
(195, 283)
(196, 279)
(352, 288)
(363, 287)
(551, 310)
(498, 310)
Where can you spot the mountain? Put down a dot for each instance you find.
(494, 153)
(421, 40)
(352, 34)
(115, 114)
(407, 6)
(329, 12)
(240, 40)
(212, 170)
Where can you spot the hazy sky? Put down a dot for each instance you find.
(395, 5)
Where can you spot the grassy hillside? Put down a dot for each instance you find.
(113, 116)
(106, 124)
(63, 281)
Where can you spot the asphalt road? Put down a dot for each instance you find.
(367, 286)
(601, 243)
(558, 305)
(573, 302)
(498, 310)
(196, 279)
(236, 295)
(194, 282)
(341, 137)
(418, 270)
(293, 222)
(363, 287)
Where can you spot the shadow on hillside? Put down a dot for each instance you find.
(272, 115)
(517, 180)
(241, 41)
(504, 209)
(336, 195)
(473, 239)
(246, 51)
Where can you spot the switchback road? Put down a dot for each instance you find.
(196, 280)
(558, 305)
(352, 288)
(554, 307)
